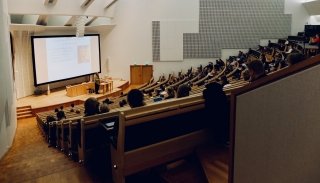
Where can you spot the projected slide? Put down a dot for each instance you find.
(59, 58)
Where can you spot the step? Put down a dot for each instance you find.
(214, 163)
(24, 113)
(24, 107)
(187, 171)
(25, 116)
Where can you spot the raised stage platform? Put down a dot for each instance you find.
(55, 99)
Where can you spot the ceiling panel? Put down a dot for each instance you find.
(313, 7)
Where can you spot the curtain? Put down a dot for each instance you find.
(23, 63)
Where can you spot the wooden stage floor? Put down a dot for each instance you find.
(60, 97)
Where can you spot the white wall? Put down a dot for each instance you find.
(130, 42)
(8, 117)
(300, 16)
(314, 20)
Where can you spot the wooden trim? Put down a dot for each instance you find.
(313, 61)
(155, 115)
(52, 107)
(233, 102)
(117, 155)
(148, 156)
(150, 112)
(234, 70)
(164, 111)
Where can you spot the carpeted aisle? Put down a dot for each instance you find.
(30, 159)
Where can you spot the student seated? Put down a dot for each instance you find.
(61, 115)
(246, 75)
(224, 80)
(135, 98)
(108, 101)
(294, 58)
(56, 110)
(289, 50)
(170, 93)
(183, 91)
(256, 70)
(315, 40)
(217, 111)
(104, 108)
(72, 107)
(122, 103)
(91, 106)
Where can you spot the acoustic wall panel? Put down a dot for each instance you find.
(156, 40)
(230, 24)
(235, 24)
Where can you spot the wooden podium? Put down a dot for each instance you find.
(79, 89)
(107, 86)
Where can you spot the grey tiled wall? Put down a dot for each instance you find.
(232, 24)
(156, 40)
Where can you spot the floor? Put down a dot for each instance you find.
(30, 160)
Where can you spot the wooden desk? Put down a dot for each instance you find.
(79, 89)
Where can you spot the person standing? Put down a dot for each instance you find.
(96, 83)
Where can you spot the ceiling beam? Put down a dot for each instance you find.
(86, 3)
(42, 20)
(313, 7)
(50, 2)
(110, 3)
(71, 21)
(90, 21)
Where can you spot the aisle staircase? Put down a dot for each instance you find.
(24, 112)
(206, 165)
(214, 163)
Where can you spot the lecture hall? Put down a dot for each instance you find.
(159, 91)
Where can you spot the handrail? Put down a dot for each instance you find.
(214, 77)
(158, 85)
(234, 70)
(179, 82)
(219, 75)
(308, 63)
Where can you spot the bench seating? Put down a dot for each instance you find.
(156, 134)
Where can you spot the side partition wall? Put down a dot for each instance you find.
(277, 131)
(8, 119)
